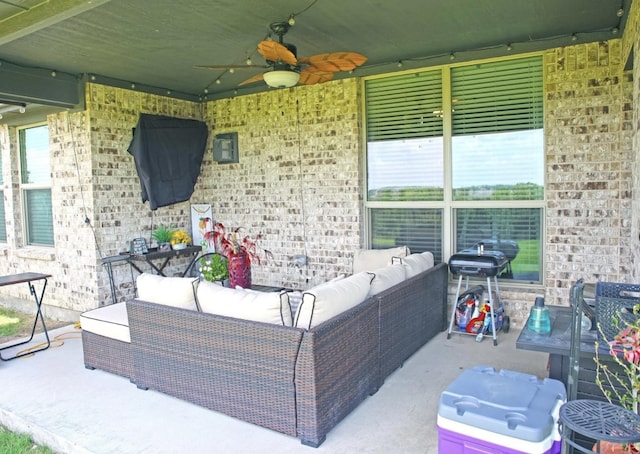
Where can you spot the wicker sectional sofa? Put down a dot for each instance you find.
(298, 381)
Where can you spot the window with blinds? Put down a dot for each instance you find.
(444, 180)
(35, 178)
(3, 225)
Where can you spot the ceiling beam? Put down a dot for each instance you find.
(42, 16)
(41, 86)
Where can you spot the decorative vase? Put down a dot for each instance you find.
(239, 270)
(179, 246)
(164, 247)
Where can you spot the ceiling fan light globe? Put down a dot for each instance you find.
(281, 79)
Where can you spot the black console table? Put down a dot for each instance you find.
(558, 345)
(29, 278)
(164, 257)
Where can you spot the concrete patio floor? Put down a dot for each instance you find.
(52, 397)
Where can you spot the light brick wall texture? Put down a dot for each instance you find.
(299, 182)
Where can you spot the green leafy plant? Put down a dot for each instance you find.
(162, 234)
(213, 268)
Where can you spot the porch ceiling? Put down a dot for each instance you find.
(155, 44)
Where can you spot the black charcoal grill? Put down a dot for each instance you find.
(479, 262)
(469, 262)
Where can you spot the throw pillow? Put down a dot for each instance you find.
(330, 299)
(374, 259)
(170, 291)
(267, 307)
(387, 277)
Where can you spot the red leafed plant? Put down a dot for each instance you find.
(230, 244)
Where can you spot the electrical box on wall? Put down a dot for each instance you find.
(225, 148)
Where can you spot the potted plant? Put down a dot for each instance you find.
(621, 386)
(162, 235)
(213, 268)
(180, 239)
(240, 253)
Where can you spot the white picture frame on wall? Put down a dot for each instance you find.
(202, 226)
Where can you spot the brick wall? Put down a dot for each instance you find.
(297, 181)
(589, 167)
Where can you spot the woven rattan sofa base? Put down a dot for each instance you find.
(107, 354)
(411, 314)
(297, 382)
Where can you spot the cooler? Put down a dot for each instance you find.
(500, 412)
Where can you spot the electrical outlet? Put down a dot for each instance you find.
(300, 260)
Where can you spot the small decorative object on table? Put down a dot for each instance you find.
(239, 253)
(162, 235)
(180, 239)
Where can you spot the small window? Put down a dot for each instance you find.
(3, 225)
(35, 185)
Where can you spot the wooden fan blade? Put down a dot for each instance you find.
(274, 51)
(311, 75)
(335, 61)
(229, 66)
(256, 78)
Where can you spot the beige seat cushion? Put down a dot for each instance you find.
(108, 321)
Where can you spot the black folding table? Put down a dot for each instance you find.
(29, 278)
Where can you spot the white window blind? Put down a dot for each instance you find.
(497, 96)
(404, 106)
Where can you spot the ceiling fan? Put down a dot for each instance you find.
(286, 69)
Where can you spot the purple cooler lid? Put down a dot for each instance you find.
(505, 402)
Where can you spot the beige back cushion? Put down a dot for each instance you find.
(417, 263)
(170, 291)
(387, 277)
(374, 259)
(267, 307)
(331, 298)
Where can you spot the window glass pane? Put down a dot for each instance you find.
(39, 217)
(34, 156)
(3, 225)
(405, 170)
(515, 231)
(419, 229)
(500, 166)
